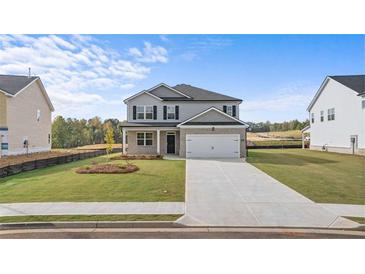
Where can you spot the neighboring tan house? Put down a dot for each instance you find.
(25, 115)
(186, 121)
(337, 115)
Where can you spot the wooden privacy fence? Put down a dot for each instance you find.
(41, 163)
(276, 146)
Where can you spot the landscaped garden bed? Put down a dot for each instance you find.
(107, 169)
(137, 157)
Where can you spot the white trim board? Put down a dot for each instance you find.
(140, 93)
(167, 86)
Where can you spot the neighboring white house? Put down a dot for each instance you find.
(25, 115)
(184, 120)
(337, 115)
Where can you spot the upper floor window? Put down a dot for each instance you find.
(363, 104)
(331, 114)
(230, 110)
(38, 115)
(170, 112)
(322, 115)
(145, 112)
(312, 118)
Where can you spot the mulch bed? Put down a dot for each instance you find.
(137, 157)
(107, 169)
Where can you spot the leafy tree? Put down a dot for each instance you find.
(59, 132)
(109, 137)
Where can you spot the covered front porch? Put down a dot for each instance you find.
(151, 140)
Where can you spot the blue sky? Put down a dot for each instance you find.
(275, 75)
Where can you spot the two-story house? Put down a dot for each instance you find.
(184, 120)
(337, 115)
(25, 115)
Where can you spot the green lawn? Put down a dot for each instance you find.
(321, 176)
(157, 180)
(360, 220)
(75, 218)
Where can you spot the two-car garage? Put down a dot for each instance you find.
(212, 145)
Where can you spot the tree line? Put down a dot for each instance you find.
(68, 133)
(284, 126)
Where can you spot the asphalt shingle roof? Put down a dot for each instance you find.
(200, 94)
(354, 82)
(12, 84)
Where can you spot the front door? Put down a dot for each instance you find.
(171, 143)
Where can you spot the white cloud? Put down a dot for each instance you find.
(150, 54)
(76, 69)
(281, 105)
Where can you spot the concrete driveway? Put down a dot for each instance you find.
(232, 192)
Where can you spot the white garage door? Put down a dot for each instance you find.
(212, 146)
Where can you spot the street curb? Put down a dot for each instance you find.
(91, 225)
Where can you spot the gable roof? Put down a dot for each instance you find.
(12, 85)
(354, 82)
(188, 92)
(235, 121)
(202, 94)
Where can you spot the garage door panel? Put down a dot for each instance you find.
(213, 146)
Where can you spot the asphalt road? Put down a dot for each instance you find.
(178, 234)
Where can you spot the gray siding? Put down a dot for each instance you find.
(165, 92)
(212, 116)
(186, 109)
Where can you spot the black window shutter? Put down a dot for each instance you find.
(176, 112)
(154, 112)
(234, 111)
(134, 112)
(225, 109)
(164, 112)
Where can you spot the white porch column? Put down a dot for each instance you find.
(303, 144)
(124, 140)
(158, 142)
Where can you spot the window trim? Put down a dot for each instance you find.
(144, 112)
(331, 116)
(144, 139)
(173, 112)
(38, 115)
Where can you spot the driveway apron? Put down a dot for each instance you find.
(231, 192)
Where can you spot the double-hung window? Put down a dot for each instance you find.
(312, 118)
(230, 110)
(170, 112)
(149, 112)
(144, 138)
(140, 112)
(322, 115)
(145, 112)
(331, 114)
